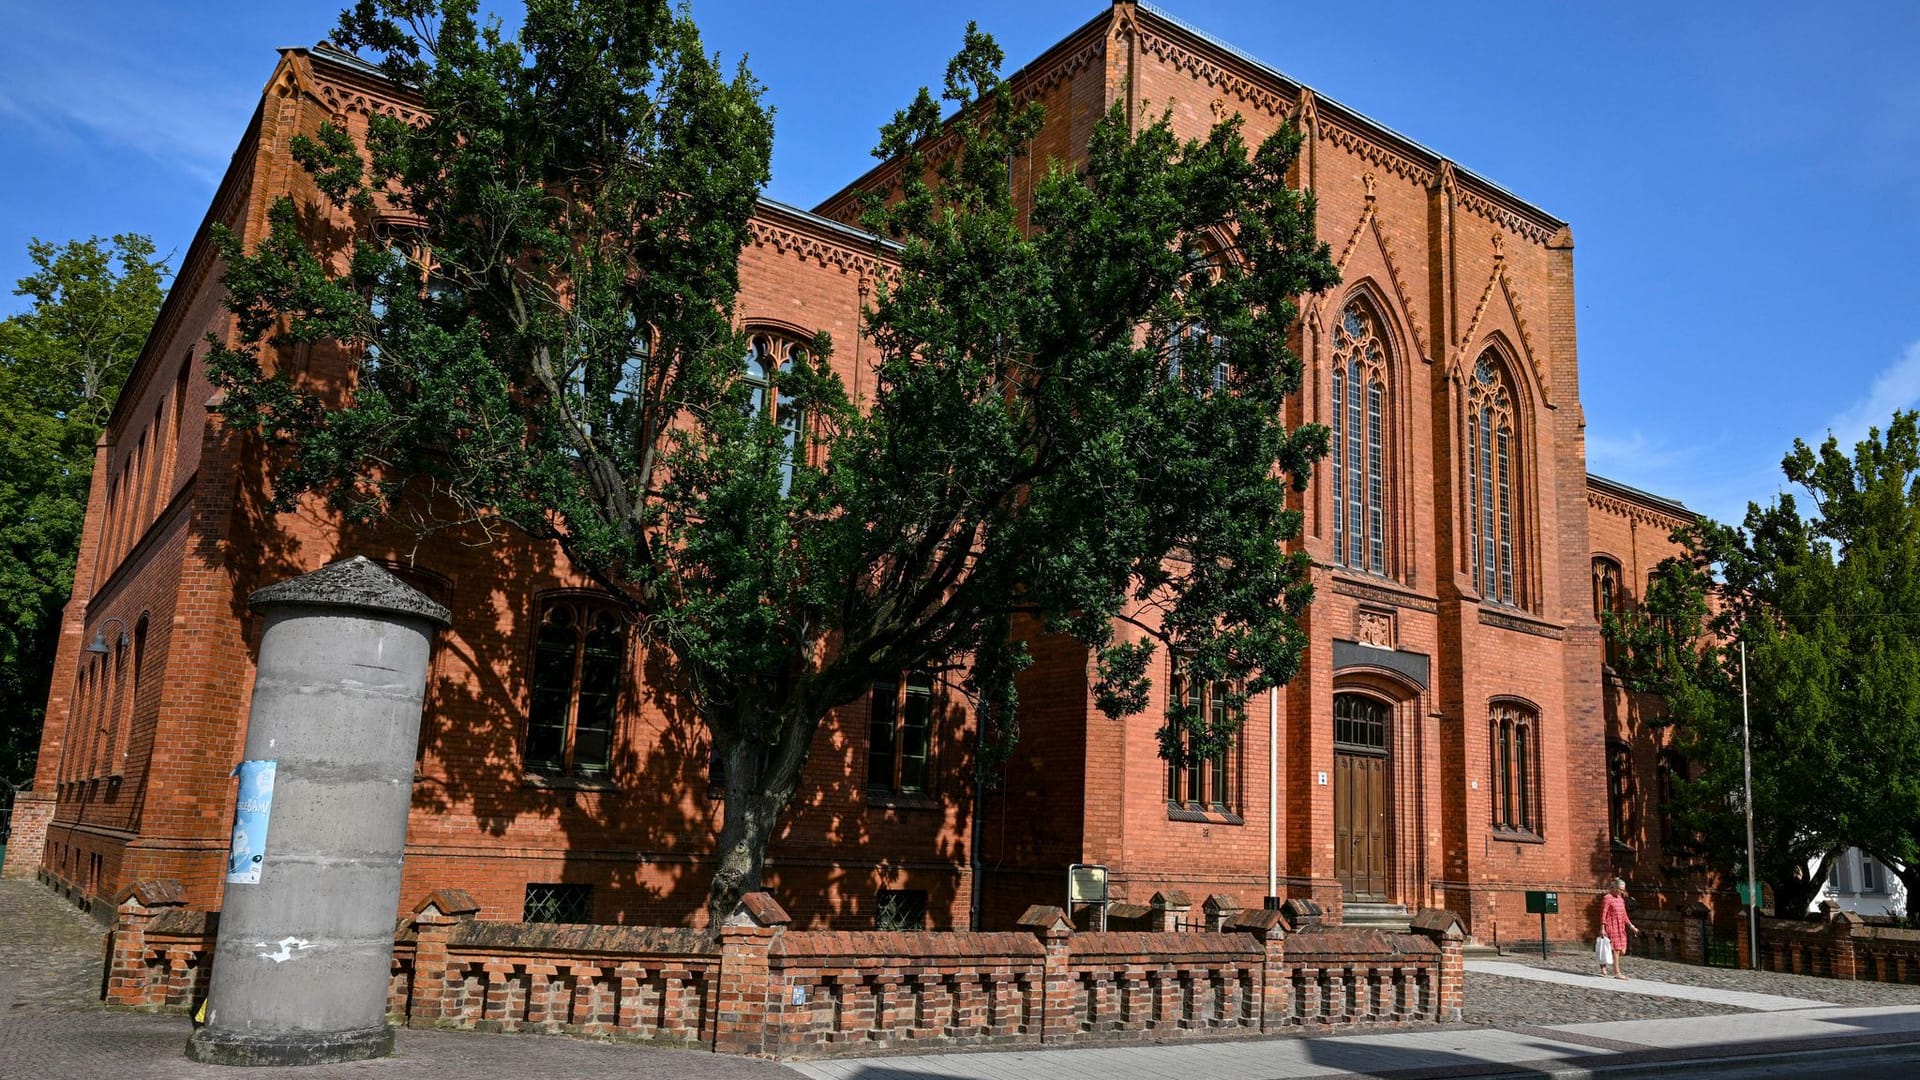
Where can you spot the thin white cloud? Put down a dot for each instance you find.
(65, 89)
(1896, 387)
(1709, 477)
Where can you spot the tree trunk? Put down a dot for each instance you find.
(746, 827)
(760, 781)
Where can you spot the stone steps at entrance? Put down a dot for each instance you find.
(1393, 917)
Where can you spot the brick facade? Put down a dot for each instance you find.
(140, 741)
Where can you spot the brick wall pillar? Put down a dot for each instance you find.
(1842, 960)
(1443, 928)
(1269, 928)
(1050, 924)
(1170, 910)
(128, 982)
(433, 923)
(32, 813)
(1694, 931)
(747, 1015)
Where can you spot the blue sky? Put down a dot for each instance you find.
(1743, 179)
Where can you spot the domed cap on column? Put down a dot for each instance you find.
(358, 583)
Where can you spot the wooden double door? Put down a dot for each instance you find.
(1361, 767)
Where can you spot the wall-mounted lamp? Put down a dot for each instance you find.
(99, 643)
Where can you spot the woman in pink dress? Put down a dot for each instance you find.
(1614, 923)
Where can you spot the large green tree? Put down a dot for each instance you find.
(1075, 420)
(1828, 605)
(62, 362)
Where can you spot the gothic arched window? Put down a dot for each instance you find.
(767, 357)
(1607, 597)
(1621, 825)
(1492, 511)
(1513, 733)
(1359, 441)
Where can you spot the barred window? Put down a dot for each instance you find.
(1491, 463)
(1359, 438)
(555, 902)
(579, 667)
(1513, 736)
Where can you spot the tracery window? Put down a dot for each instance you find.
(1195, 348)
(579, 666)
(1492, 514)
(767, 357)
(1359, 441)
(1514, 738)
(1607, 597)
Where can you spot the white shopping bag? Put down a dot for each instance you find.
(1603, 950)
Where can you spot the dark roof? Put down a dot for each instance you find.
(1659, 502)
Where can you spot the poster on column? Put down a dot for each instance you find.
(250, 816)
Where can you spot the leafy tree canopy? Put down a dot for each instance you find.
(62, 363)
(1075, 417)
(1828, 605)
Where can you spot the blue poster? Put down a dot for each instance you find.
(250, 816)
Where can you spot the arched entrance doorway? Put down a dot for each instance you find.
(1361, 787)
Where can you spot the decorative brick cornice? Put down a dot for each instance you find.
(1382, 595)
(787, 241)
(1373, 152)
(1635, 512)
(1205, 69)
(1505, 217)
(1525, 624)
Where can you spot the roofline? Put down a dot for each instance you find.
(1646, 498)
(1434, 157)
(838, 228)
(1012, 81)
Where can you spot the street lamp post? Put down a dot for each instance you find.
(1746, 764)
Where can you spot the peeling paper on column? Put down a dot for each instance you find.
(250, 815)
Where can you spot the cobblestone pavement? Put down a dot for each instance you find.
(50, 954)
(1832, 991)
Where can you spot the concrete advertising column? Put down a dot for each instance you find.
(313, 877)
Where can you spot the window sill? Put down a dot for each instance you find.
(1507, 835)
(549, 782)
(1621, 847)
(887, 800)
(1203, 815)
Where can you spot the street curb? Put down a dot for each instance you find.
(1687, 1063)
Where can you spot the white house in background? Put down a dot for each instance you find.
(1860, 883)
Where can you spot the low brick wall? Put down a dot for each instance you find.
(1839, 945)
(761, 988)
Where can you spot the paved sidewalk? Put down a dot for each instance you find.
(1736, 998)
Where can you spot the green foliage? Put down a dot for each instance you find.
(62, 363)
(1828, 606)
(1029, 456)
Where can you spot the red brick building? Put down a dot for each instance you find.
(1444, 744)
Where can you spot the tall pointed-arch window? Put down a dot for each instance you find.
(1607, 598)
(767, 357)
(1359, 441)
(1492, 515)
